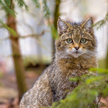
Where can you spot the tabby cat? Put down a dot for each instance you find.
(75, 54)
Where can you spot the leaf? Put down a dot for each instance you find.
(46, 10)
(101, 22)
(93, 92)
(7, 9)
(99, 70)
(86, 92)
(37, 3)
(105, 91)
(74, 79)
(21, 4)
(54, 31)
(93, 79)
(8, 2)
(10, 29)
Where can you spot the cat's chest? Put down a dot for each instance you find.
(61, 85)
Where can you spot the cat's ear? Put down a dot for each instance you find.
(88, 23)
(62, 26)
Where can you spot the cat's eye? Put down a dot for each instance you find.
(69, 40)
(83, 40)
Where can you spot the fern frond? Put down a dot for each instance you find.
(101, 22)
(6, 7)
(84, 95)
(21, 4)
(37, 3)
(54, 32)
(46, 10)
(47, 15)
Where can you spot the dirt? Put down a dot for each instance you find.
(8, 89)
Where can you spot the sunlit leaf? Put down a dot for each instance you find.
(93, 79)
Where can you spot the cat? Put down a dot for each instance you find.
(75, 54)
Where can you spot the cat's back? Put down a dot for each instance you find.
(38, 93)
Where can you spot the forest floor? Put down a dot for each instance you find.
(8, 87)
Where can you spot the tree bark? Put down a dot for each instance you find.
(18, 62)
(56, 16)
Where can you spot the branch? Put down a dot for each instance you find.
(101, 22)
(34, 35)
(26, 36)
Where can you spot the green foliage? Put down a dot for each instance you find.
(54, 32)
(5, 5)
(8, 7)
(84, 95)
(47, 15)
(46, 10)
(21, 4)
(37, 3)
(101, 22)
(8, 28)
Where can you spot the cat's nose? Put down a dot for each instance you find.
(77, 47)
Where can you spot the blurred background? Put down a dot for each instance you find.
(27, 31)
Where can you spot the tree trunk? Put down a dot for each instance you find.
(56, 16)
(18, 62)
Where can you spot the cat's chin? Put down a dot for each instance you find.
(76, 55)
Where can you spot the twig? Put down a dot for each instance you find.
(26, 36)
(33, 35)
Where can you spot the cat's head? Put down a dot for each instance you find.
(75, 39)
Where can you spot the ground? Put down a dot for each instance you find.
(8, 87)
